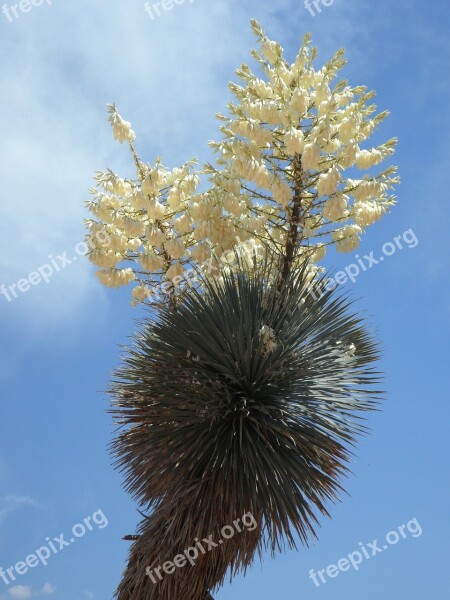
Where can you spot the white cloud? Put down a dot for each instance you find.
(21, 592)
(9, 504)
(55, 128)
(167, 75)
(48, 589)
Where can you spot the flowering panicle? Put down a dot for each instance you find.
(279, 180)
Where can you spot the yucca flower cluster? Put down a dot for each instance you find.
(291, 177)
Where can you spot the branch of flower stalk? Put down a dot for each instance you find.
(257, 194)
(141, 174)
(260, 238)
(137, 162)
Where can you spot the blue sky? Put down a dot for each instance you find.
(61, 63)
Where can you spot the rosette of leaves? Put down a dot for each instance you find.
(247, 398)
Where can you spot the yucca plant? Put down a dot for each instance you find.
(248, 397)
(244, 390)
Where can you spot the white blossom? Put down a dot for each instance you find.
(268, 340)
(367, 213)
(152, 262)
(347, 239)
(183, 224)
(116, 277)
(311, 156)
(281, 192)
(200, 253)
(365, 159)
(335, 207)
(294, 141)
(175, 248)
(175, 271)
(121, 129)
(328, 182)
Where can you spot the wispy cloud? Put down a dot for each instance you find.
(9, 504)
(48, 589)
(169, 81)
(23, 592)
